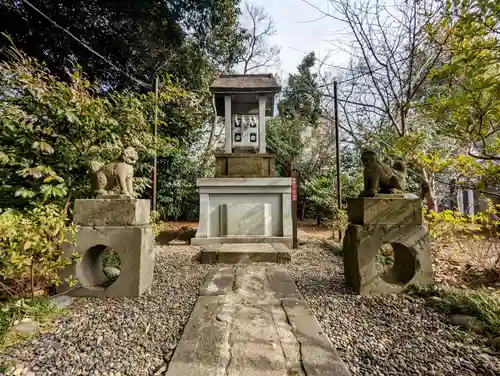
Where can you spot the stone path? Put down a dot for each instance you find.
(252, 321)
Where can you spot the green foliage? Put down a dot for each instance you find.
(156, 223)
(466, 103)
(302, 95)
(284, 141)
(31, 244)
(51, 131)
(110, 258)
(483, 304)
(319, 196)
(185, 38)
(41, 310)
(446, 225)
(178, 197)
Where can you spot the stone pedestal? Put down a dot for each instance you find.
(376, 221)
(244, 165)
(120, 224)
(238, 210)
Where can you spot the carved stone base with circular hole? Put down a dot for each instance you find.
(412, 264)
(134, 246)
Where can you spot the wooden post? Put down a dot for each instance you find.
(294, 204)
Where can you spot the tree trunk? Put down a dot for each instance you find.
(427, 192)
(453, 195)
(211, 138)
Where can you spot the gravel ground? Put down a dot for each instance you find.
(119, 336)
(391, 335)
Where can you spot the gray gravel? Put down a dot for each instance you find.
(391, 335)
(119, 336)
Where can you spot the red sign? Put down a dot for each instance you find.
(294, 189)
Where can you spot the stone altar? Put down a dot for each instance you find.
(245, 202)
(380, 219)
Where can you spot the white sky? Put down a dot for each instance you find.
(298, 33)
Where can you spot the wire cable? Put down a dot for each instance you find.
(86, 45)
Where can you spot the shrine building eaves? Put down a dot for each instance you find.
(245, 83)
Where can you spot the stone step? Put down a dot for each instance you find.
(241, 253)
(252, 321)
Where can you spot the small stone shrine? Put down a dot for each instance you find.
(382, 216)
(245, 202)
(117, 220)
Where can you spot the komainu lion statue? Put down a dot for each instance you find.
(116, 177)
(381, 178)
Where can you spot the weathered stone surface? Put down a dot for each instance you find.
(242, 239)
(232, 253)
(111, 212)
(280, 283)
(246, 253)
(203, 346)
(385, 210)
(467, 322)
(62, 301)
(134, 246)
(260, 327)
(116, 176)
(111, 273)
(283, 253)
(209, 254)
(245, 165)
(26, 326)
(245, 219)
(412, 262)
(318, 355)
(220, 281)
(381, 178)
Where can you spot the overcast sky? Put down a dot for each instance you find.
(298, 33)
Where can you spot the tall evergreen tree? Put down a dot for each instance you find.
(302, 95)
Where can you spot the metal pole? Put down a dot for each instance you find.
(155, 134)
(337, 145)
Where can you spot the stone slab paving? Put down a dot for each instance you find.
(231, 253)
(252, 321)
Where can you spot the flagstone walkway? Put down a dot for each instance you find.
(250, 321)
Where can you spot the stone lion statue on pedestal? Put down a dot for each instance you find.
(381, 178)
(116, 177)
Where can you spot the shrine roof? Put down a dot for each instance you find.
(250, 83)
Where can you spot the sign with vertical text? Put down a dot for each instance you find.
(294, 188)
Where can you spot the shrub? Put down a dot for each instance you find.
(477, 232)
(40, 309)
(31, 244)
(483, 304)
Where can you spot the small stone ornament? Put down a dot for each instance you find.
(116, 177)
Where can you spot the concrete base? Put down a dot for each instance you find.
(409, 240)
(243, 240)
(236, 210)
(245, 253)
(252, 321)
(134, 246)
